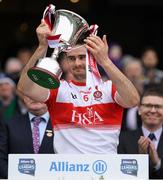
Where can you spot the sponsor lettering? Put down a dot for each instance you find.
(74, 96)
(66, 166)
(90, 117)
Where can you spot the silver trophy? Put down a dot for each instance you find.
(68, 26)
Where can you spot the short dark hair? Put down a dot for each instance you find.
(61, 56)
(148, 48)
(153, 90)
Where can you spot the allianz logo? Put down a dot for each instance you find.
(69, 167)
(98, 167)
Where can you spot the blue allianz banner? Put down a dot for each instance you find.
(77, 167)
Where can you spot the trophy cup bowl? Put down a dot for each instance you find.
(69, 26)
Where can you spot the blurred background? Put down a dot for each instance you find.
(133, 24)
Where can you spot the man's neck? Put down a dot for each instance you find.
(152, 128)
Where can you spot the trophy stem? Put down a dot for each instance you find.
(55, 53)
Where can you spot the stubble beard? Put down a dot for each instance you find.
(80, 77)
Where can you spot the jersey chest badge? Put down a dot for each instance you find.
(97, 94)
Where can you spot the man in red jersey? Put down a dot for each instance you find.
(85, 119)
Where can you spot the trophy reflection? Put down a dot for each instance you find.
(66, 29)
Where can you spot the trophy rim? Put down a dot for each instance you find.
(39, 82)
(65, 10)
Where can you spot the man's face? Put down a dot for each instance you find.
(77, 62)
(151, 111)
(150, 59)
(6, 90)
(34, 107)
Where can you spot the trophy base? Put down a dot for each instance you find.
(43, 78)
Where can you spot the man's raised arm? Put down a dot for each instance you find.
(126, 95)
(25, 85)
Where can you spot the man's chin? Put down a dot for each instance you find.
(152, 124)
(79, 76)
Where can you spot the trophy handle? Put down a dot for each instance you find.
(47, 15)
